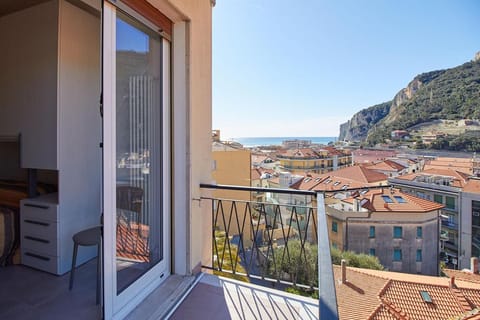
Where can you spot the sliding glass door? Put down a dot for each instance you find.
(136, 162)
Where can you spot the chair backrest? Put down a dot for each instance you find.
(130, 198)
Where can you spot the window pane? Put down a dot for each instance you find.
(138, 150)
(387, 199)
(372, 232)
(397, 254)
(438, 198)
(450, 202)
(334, 226)
(419, 255)
(397, 232)
(419, 232)
(372, 251)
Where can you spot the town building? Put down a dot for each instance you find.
(465, 165)
(361, 156)
(400, 229)
(262, 160)
(299, 161)
(389, 168)
(459, 194)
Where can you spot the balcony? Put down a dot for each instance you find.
(449, 224)
(259, 249)
(261, 252)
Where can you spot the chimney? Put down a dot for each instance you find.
(474, 265)
(355, 205)
(451, 283)
(344, 271)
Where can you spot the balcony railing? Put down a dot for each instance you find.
(273, 243)
(449, 224)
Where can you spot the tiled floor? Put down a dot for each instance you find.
(220, 298)
(27, 294)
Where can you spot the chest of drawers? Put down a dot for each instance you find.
(40, 233)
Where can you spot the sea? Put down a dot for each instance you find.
(277, 141)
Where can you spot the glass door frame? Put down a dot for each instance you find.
(119, 306)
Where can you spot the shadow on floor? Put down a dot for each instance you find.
(221, 298)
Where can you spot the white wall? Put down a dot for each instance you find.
(79, 125)
(28, 97)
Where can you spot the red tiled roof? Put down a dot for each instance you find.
(463, 275)
(255, 174)
(349, 177)
(386, 165)
(406, 202)
(360, 174)
(302, 153)
(373, 294)
(459, 179)
(472, 186)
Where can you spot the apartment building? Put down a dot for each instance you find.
(400, 229)
(319, 161)
(460, 195)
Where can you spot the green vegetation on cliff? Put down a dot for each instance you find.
(446, 94)
(450, 94)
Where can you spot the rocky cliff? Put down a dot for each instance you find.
(357, 128)
(443, 94)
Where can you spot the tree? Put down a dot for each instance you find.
(359, 260)
(294, 264)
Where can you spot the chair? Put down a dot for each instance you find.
(131, 199)
(88, 237)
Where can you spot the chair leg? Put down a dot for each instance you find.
(74, 262)
(99, 270)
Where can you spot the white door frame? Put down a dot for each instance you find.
(119, 306)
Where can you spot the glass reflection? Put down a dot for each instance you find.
(138, 149)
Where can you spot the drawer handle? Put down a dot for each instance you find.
(45, 224)
(39, 206)
(37, 239)
(33, 255)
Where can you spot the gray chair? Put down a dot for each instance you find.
(88, 237)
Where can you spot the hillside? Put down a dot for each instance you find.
(450, 94)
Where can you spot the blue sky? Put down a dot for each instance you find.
(300, 68)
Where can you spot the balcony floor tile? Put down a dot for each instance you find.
(221, 298)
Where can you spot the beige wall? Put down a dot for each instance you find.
(233, 168)
(192, 125)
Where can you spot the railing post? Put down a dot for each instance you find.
(327, 304)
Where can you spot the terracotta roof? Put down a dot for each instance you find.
(302, 153)
(309, 181)
(259, 158)
(326, 182)
(459, 179)
(463, 275)
(386, 165)
(464, 169)
(369, 156)
(393, 200)
(360, 174)
(349, 177)
(255, 174)
(373, 294)
(358, 298)
(472, 186)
